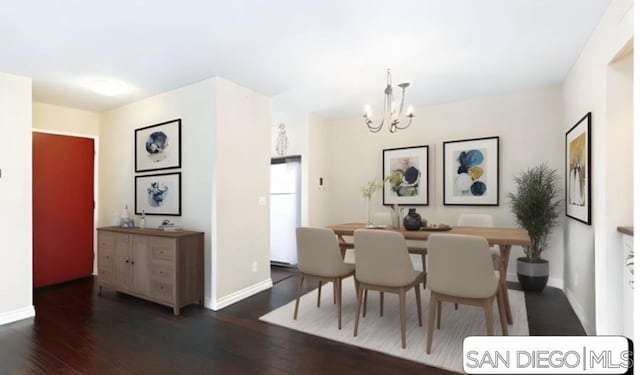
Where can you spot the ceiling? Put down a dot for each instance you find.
(328, 57)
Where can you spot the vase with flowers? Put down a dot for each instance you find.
(368, 191)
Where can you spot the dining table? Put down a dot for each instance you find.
(503, 237)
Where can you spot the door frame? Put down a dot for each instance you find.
(95, 184)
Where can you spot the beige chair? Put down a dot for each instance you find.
(319, 258)
(481, 220)
(460, 271)
(383, 264)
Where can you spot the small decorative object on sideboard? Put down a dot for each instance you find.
(413, 220)
(125, 218)
(168, 226)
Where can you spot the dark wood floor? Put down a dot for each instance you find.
(77, 332)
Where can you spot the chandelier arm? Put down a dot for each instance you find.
(408, 124)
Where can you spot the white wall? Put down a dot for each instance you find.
(619, 200)
(196, 106)
(528, 124)
(241, 174)
(16, 250)
(71, 121)
(585, 90)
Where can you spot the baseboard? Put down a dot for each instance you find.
(579, 310)
(553, 282)
(15, 315)
(234, 297)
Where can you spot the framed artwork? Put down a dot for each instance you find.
(578, 170)
(471, 172)
(158, 194)
(158, 146)
(406, 174)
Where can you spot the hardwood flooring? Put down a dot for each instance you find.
(77, 332)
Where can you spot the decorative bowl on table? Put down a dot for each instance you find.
(436, 227)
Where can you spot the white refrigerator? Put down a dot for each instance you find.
(285, 209)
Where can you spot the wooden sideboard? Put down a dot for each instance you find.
(163, 267)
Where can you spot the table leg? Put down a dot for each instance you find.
(505, 252)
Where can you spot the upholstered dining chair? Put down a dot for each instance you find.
(319, 258)
(460, 271)
(383, 264)
(481, 220)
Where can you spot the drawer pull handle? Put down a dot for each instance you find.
(126, 261)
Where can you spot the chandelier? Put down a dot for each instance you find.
(391, 112)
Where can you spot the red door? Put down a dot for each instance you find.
(62, 208)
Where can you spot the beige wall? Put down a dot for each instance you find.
(241, 175)
(528, 124)
(585, 90)
(54, 118)
(320, 161)
(16, 251)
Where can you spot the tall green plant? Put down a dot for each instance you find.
(537, 206)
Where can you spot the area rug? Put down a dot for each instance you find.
(382, 334)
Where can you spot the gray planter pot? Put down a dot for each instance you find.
(533, 276)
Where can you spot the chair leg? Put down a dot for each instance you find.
(335, 291)
(338, 281)
(439, 313)
(403, 317)
(419, 304)
(488, 311)
(364, 307)
(503, 314)
(424, 268)
(381, 303)
(300, 280)
(319, 289)
(358, 306)
(432, 319)
(455, 306)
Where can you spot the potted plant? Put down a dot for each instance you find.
(537, 207)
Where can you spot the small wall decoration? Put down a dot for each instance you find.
(471, 172)
(578, 170)
(158, 194)
(282, 142)
(407, 173)
(158, 146)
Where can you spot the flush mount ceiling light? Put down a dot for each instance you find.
(107, 87)
(391, 112)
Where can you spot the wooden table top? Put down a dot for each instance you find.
(494, 235)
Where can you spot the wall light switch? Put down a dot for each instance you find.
(262, 201)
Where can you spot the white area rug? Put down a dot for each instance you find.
(383, 334)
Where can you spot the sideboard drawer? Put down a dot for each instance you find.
(162, 290)
(162, 270)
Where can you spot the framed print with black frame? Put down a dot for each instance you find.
(158, 146)
(471, 172)
(158, 194)
(578, 170)
(406, 174)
